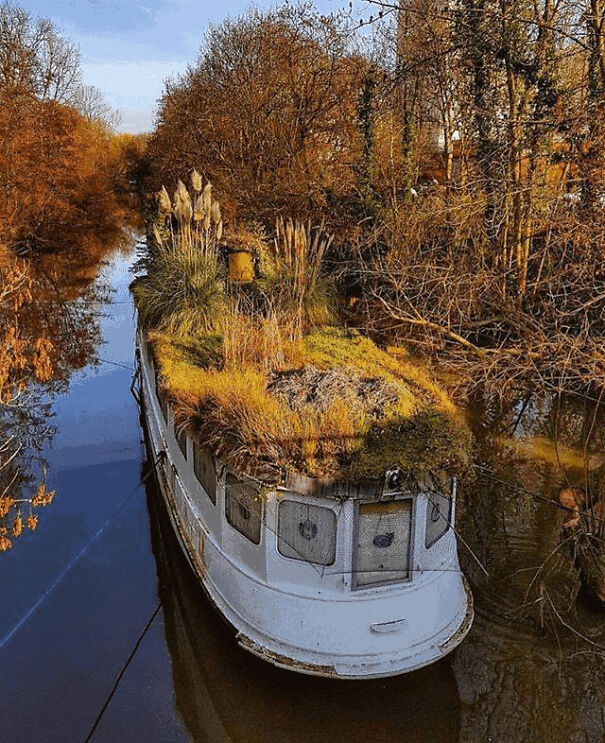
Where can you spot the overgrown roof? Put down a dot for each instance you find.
(263, 373)
(340, 407)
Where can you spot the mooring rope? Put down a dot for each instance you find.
(123, 670)
(50, 590)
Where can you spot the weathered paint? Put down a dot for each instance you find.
(306, 617)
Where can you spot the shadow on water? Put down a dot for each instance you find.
(225, 694)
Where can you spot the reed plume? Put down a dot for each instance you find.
(298, 252)
(196, 181)
(184, 288)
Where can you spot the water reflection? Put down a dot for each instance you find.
(225, 694)
(57, 325)
(532, 667)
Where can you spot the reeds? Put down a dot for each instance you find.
(184, 288)
(253, 337)
(304, 293)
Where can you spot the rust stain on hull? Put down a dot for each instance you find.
(284, 661)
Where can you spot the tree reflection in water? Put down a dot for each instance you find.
(49, 327)
(532, 666)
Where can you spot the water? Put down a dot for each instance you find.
(76, 594)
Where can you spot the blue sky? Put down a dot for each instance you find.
(129, 48)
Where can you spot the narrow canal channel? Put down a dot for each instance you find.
(76, 595)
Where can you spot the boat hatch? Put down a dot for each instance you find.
(382, 549)
(307, 532)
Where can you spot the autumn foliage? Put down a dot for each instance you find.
(268, 113)
(64, 183)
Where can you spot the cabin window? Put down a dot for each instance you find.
(205, 471)
(307, 532)
(438, 516)
(162, 400)
(181, 440)
(382, 550)
(243, 508)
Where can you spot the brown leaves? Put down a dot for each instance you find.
(6, 503)
(42, 360)
(5, 542)
(42, 497)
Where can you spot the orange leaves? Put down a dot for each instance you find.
(42, 363)
(56, 172)
(21, 357)
(42, 497)
(13, 528)
(6, 503)
(5, 542)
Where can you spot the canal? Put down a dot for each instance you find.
(77, 594)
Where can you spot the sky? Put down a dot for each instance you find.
(129, 48)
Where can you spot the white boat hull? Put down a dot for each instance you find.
(324, 628)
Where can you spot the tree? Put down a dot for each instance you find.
(34, 58)
(269, 113)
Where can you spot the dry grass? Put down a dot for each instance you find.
(251, 338)
(302, 294)
(236, 413)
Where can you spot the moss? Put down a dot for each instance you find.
(240, 412)
(330, 347)
(426, 440)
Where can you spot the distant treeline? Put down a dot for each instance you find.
(61, 167)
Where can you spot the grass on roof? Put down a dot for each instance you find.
(236, 415)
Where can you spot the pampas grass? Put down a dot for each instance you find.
(305, 295)
(184, 292)
(196, 181)
(184, 289)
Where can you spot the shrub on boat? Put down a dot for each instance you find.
(260, 370)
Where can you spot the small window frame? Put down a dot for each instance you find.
(198, 451)
(231, 480)
(430, 506)
(302, 560)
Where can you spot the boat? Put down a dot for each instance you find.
(224, 694)
(348, 580)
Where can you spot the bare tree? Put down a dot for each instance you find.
(34, 58)
(89, 101)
